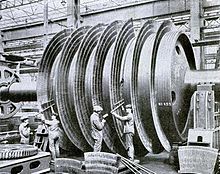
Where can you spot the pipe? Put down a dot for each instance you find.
(18, 92)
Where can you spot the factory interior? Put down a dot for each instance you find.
(110, 86)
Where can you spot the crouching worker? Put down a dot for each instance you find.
(128, 122)
(24, 130)
(53, 135)
(97, 124)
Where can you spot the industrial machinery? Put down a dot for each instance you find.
(201, 155)
(104, 64)
(23, 158)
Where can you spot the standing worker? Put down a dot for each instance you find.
(128, 130)
(24, 130)
(97, 123)
(53, 135)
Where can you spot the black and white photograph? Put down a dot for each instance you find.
(109, 86)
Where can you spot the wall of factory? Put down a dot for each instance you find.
(28, 40)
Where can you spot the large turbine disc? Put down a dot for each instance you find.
(80, 79)
(120, 81)
(100, 82)
(64, 98)
(173, 96)
(140, 92)
(105, 64)
(47, 75)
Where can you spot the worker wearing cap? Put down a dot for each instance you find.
(97, 123)
(128, 130)
(53, 135)
(24, 130)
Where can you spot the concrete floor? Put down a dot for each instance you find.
(158, 163)
(155, 162)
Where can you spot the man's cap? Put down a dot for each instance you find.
(97, 108)
(128, 106)
(24, 117)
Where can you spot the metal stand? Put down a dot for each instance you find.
(35, 164)
(201, 153)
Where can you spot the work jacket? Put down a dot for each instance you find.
(24, 131)
(53, 128)
(129, 124)
(96, 126)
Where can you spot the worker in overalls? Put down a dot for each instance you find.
(97, 124)
(24, 130)
(53, 135)
(128, 122)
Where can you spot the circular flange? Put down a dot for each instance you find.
(64, 97)
(173, 95)
(167, 70)
(47, 73)
(123, 38)
(165, 27)
(140, 85)
(80, 78)
(100, 81)
(49, 59)
(120, 81)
